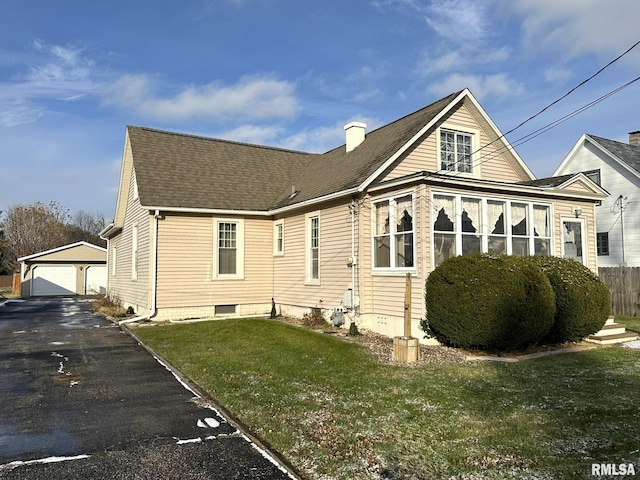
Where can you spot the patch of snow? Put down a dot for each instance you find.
(189, 440)
(266, 455)
(635, 344)
(11, 300)
(19, 463)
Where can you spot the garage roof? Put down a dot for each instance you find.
(79, 251)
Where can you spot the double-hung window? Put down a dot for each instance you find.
(455, 151)
(313, 248)
(278, 238)
(602, 243)
(393, 238)
(229, 248)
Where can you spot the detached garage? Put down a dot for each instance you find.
(75, 269)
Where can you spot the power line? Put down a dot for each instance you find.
(555, 102)
(490, 156)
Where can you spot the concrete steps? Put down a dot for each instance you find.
(612, 333)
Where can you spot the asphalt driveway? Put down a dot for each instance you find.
(80, 398)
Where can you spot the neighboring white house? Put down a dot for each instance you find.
(615, 166)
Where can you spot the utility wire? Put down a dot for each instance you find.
(489, 156)
(575, 88)
(557, 101)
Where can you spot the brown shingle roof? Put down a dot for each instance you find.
(186, 171)
(338, 170)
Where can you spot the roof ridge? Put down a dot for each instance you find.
(221, 140)
(626, 144)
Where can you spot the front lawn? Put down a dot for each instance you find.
(632, 323)
(335, 412)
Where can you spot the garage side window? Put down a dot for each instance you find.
(114, 260)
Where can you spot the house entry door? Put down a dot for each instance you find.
(572, 240)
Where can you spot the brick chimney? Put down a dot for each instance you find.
(634, 138)
(355, 134)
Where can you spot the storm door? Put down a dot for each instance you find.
(572, 240)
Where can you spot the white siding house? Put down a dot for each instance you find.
(616, 167)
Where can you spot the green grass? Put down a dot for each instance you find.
(632, 323)
(335, 412)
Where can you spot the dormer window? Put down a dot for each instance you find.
(455, 151)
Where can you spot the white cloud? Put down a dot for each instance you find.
(323, 139)
(256, 134)
(18, 112)
(460, 21)
(497, 86)
(557, 75)
(253, 97)
(578, 27)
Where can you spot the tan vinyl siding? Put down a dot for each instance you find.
(566, 209)
(488, 163)
(382, 302)
(133, 293)
(186, 276)
(335, 247)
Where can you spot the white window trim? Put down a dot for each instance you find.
(239, 275)
(308, 280)
(279, 224)
(391, 200)
(486, 228)
(582, 234)
(475, 142)
(134, 252)
(136, 194)
(114, 260)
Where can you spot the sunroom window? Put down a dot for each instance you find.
(464, 225)
(444, 228)
(393, 233)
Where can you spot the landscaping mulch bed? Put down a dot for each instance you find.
(381, 346)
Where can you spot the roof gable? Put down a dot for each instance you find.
(573, 182)
(79, 251)
(625, 155)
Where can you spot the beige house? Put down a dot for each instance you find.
(213, 228)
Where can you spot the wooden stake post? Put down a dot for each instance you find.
(407, 306)
(406, 348)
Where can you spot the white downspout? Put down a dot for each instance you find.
(353, 256)
(154, 276)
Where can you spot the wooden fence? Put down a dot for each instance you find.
(6, 281)
(624, 285)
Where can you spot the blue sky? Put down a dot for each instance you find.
(291, 74)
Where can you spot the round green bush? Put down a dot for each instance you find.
(488, 301)
(582, 299)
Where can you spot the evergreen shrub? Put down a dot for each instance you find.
(489, 301)
(582, 299)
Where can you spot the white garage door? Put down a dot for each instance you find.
(96, 279)
(53, 280)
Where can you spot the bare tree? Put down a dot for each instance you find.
(33, 228)
(86, 227)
